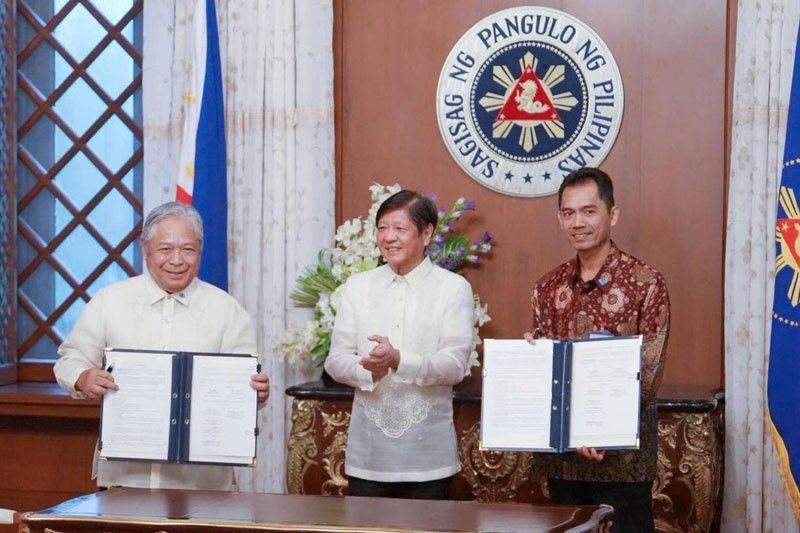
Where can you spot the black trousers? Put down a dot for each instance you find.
(632, 502)
(436, 489)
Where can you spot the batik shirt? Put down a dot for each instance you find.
(626, 297)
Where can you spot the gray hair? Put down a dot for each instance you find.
(172, 210)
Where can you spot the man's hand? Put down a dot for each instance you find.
(591, 453)
(95, 382)
(260, 382)
(528, 336)
(381, 358)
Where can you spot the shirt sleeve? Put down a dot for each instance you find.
(240, 333)
(537, 327)
(83, 347)
(448, 365)
(342, 362)
(654, 319)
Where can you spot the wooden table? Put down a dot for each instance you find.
(123, 509)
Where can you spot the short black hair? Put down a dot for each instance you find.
(421, 209)
(583, 175)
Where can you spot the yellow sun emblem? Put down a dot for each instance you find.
(528, 102)
(788, 236)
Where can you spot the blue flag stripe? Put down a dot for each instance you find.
(210, 195)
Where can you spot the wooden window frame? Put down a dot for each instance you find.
(18, 369)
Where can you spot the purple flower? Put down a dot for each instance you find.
(433, 197)
(439, 238)
(487, 237)
(442, 213)
(472, 259)
(449, 263)
(470, 205)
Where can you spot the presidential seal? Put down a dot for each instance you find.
(525, 97)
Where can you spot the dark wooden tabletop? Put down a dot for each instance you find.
(124, 509)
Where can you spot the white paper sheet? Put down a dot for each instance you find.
(605, 393)
(223, 417)
(517, 394)
(136, 418)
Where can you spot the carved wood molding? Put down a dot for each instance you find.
(686, 495)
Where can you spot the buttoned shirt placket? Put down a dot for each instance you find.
(167, 319)
(398, 294)
(167, 304)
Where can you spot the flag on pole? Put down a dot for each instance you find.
(783, 385)
(202, 178)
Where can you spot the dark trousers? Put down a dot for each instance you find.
(436, 489)
(632, 502)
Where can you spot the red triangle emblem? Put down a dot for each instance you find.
(790, 229)
(528, 101)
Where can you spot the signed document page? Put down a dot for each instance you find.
(605, 393)
(517, 394)
(223, 416)
(136, 418)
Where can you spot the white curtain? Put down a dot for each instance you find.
(755, 499)
(277, 63)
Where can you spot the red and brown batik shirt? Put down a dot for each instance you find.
(626, 297)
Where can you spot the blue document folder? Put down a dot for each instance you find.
(593, 398)
(180, 407)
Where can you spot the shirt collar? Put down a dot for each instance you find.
(413, 278)
(156, 294)
(605, 275)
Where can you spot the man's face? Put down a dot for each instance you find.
(399, 241)
(173, 254)
(585, 218)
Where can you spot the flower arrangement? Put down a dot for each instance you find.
(356, 250)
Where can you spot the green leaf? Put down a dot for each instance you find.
(452, 245)
(320, 351)
(314, 281)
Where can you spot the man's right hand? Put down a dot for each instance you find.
(528, 336)
(95, 382)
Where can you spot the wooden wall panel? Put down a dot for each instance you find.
(45, 460)
(668, 162)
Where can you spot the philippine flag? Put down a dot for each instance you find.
(783, 391)
(202, 178)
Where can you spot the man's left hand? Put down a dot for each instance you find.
(382, 357)
(591, 453)
(260, 382)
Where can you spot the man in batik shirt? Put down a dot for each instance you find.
(604, 289)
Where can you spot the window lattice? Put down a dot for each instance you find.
(79, 160)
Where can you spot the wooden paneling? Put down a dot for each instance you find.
(48, 444)
(45, 461)
(668, 162)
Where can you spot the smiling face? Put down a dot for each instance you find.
(400, 242)
(173, 254)
(585, 218)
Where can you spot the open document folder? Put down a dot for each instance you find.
(180, 407)
(558, 396)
